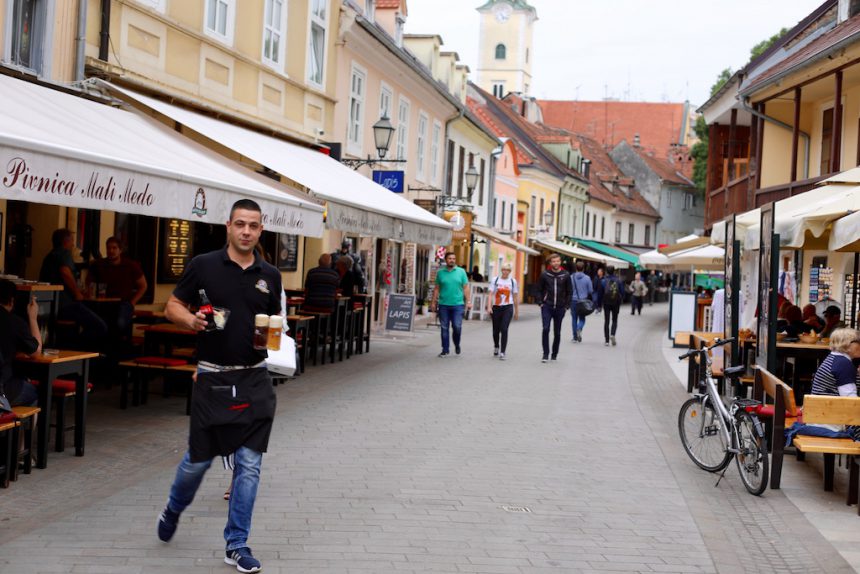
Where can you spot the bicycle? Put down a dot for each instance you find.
(712, 432)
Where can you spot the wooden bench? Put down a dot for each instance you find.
(25, 454)
(825, 409)
(782, 411)
(140, 385)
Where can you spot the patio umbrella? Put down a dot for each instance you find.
(703, 257)
(653, 259)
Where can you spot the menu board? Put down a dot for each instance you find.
(288, 252)
(177, 248)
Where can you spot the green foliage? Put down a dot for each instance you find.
(762, 46)
(699, 153)
(724, 77)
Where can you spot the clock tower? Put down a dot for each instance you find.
(505, 47)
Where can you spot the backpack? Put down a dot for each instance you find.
(613, 295)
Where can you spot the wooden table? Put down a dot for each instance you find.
(169, 335)
(46, 368)
(44, 293)
(293, 304)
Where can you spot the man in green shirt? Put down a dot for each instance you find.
(450, 300)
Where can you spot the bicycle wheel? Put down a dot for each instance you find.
(752, 453)
(699, 427)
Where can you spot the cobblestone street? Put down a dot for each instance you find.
(398, 461)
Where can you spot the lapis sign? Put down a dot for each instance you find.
(390, 180)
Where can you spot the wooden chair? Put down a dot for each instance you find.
(27, 417)
(779, 407)
(64, 391)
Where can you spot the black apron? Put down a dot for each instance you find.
(230, 409)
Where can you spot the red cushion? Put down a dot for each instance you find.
(766, 411)
(7, 418)
(160, 361)
(62, 386)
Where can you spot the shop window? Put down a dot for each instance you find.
(28, 34)
(220, 19)
(274, 28)
(317, 42)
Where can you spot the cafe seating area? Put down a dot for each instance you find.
(158, 352)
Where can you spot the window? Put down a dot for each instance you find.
(274, 25)
(28, 34)
(630, 230)
(511, 216)
(450, 176)
(498, 220)
(220, 19)
(552, 211)
(587, 224)
(540, 213)
(501, 52)
(460, 171)
(617, 232)
(826, 141)
(499, 89)
(689, 201)
(532, 207)
(356, 109)
(602, 228)
(527, 55)
(503, 214)
(422, 144)
(481, 183)
(647, 236)
(316, 48)
(385, 98)
(403, 129)
(434, 152)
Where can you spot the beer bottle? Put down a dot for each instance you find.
(206, 309)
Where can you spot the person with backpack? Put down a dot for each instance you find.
(555, 290)
(502, 305)
(581, 304)
(610, 293)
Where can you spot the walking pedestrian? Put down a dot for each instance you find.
(595, 285)
(502, 305)
(451, 298)
(610, 293)
(581, 301)
(555, 291)
(638, 290)
(233, 405)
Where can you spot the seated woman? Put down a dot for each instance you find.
(836, 376)
(794, 325)
(811, 319)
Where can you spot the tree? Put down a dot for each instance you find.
(724, 77)
(699, 153)
(762, 46)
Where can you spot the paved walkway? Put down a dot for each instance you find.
(400, 462)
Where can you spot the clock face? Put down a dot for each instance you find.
(503, 12)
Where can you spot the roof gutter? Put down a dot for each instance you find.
(745, 106)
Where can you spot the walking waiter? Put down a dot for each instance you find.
(233, 404)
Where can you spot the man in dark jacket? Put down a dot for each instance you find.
(610, 292)
(555, 293)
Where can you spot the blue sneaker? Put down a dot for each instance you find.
(167, 523)
(242, 559)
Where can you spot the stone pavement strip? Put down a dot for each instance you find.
(397, 461)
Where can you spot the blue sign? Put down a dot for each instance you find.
(390, 180)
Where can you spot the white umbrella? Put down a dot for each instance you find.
(703, 257)
(653, 259)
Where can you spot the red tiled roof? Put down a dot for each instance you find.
(604, 170)
(659, 125)
(664, 168)
(390, 4)
(818, 46)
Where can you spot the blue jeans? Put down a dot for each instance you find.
(452, 314)
(553, 315)
(577, 322)
(246, 477)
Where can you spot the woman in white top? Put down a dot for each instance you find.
(502, 305)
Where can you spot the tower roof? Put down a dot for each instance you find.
(516, 4)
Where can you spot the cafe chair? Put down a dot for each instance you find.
(320, 333)
(8, 424)
(134, 373)
(27, 417)
(63, 391)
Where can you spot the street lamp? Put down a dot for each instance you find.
(472, 176)
(382, 132)
(548, 217)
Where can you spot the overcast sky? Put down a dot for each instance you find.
(636, 50)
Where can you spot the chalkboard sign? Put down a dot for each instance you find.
(177, 248)
(400, 312)
(288, 252)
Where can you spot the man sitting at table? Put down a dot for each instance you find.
(832, 320)
(58, 268)
(123, 279)
(321, 285)
(17, 335)
(344, 267)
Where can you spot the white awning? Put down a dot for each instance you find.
(653, 259)
(502, 240)
(580, 253)
(61, 149)
(356, 204)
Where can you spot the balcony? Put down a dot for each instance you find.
(724, 201)
(777, 192)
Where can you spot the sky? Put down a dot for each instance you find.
(632, 50)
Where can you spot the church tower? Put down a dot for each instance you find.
(505, 47)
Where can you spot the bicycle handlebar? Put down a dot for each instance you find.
(717, 343)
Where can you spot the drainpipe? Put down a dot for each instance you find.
(81, 40)
(776, 122)
(104, 33)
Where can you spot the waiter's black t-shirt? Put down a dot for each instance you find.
(245, 293)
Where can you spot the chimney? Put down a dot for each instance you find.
(636, 143)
